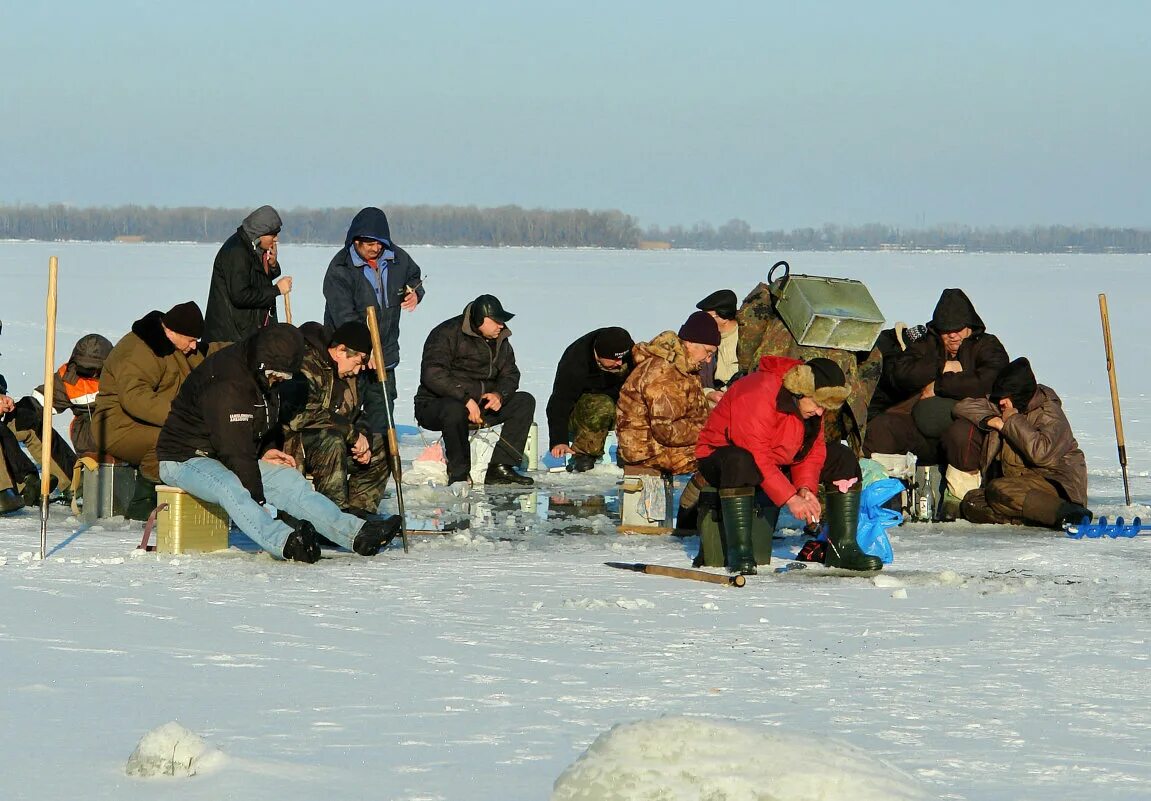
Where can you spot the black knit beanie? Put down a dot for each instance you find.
(613, 343)
(700, 328)
(353, 335)
(185, 318)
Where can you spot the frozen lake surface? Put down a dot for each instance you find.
(987, 662)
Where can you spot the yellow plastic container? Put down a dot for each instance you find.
(188, 523)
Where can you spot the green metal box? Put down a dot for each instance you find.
(827, 312)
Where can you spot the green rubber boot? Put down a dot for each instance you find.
(737, 508)
(842, 515)
(143, 500)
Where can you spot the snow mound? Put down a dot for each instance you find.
(705, 759)
(172, 750)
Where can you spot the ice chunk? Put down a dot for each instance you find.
(172, 750)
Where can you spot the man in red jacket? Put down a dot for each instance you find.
(767, 432)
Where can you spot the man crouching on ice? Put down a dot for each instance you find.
(221, 442)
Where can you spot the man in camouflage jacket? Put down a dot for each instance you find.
(326, 432)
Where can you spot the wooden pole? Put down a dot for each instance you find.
(1111, 376)
(49, 390)
(680, 572)
(288, 307)
(393, 441)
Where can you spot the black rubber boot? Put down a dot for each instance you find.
(376, 535)
(737, 508)
(1072, 513)
(10, 501)
(303, 544)
(842, 515)
(143, 500)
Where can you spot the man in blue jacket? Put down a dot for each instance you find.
(371, 270)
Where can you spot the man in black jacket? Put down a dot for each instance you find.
(468, 376)
(246, 280)
(370, 270)
(221, 442)
(956, 359)
(581, 410)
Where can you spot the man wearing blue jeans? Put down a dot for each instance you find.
(222, 443)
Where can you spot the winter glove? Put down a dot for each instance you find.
(28, 414)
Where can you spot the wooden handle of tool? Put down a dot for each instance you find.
(288, 307)
(49, 380)
(49, 395)
(694, 575)
(1111, 377)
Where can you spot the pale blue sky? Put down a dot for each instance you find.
(781, 113)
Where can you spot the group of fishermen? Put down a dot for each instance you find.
(236, 407)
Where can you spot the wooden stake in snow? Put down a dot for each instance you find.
(1119, 441)
(46, 422)
(393, 441)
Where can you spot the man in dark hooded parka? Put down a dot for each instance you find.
(957, 359)
(246, 281)
(371, 270)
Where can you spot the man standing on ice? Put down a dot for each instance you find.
(222, 443)
(469, 377)
(371, 270)
(582, 407)
(246, 280)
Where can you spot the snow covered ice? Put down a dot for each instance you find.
(484, 663)
(696, 759)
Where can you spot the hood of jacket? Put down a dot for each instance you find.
(954, 311)
(777, 365)
(668, 347)
(262, 221)
(369, 223)
(91, 351)
(150, 329)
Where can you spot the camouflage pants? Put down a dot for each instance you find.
(1015, 500)
(341, 479)
(591, 419)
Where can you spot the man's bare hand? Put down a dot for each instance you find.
(274, 456)
(362, 450)
(284, 285)
(411, 299)
(928, 391)
(6, 404)
(491, 401)
(952, 366)
(560, 451)
(475, 417)
(804, 505)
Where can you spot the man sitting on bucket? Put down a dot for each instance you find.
(222, 443)
(767, 431)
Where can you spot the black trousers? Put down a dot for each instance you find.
(451, 417)
(732, 467)
(961, 444)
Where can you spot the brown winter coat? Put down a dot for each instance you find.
(661, 407)
(140, 380)
(1038, 441)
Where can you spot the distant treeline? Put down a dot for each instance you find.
(418, 225)
(737, 235)
(515, 226)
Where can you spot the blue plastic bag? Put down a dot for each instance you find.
(875, 519)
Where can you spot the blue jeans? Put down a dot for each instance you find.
(284, 488)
